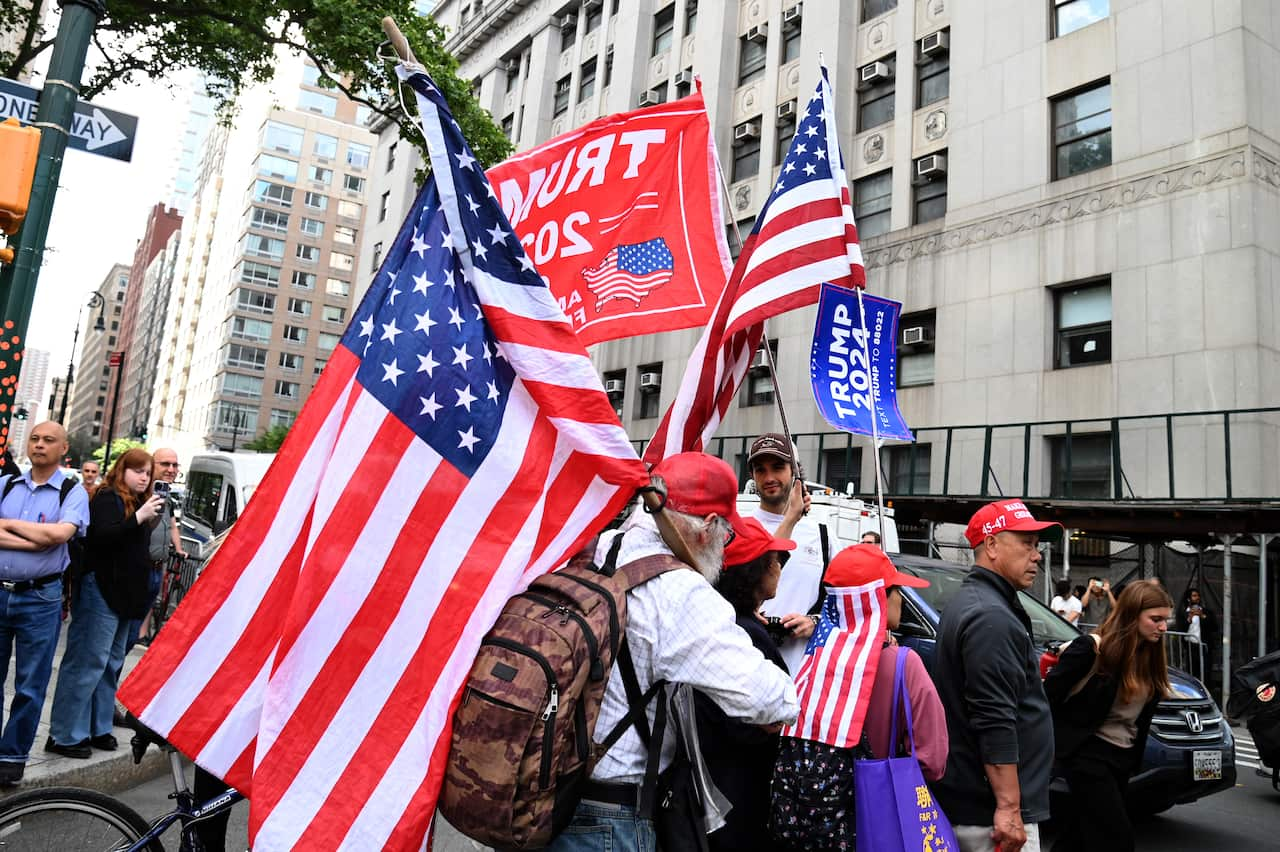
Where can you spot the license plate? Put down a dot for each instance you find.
(1206, 765)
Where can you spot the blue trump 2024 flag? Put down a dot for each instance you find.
(846, 387)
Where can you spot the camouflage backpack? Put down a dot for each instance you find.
(523, 731)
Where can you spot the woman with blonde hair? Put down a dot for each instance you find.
(1103, 693)
(112, 591)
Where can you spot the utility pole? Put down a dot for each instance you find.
(57, 106)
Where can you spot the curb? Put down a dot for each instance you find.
(106, 772)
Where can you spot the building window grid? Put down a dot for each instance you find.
(664, 27)
(872, 203)
(791, 42)
(587, 81)
(785, 134)
(876, 100)
(746, 156)
(648, 402)
(933, 76)
(930, 194)
(1082, 323)
(1082, 130)
(752, 56)
(876, 8)
(561, 100)
(916, 359)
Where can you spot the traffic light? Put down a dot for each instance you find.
(19, 147)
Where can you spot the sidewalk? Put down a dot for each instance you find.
(105, 771)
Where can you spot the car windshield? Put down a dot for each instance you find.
(944, 582)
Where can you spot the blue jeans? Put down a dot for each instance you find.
(85, 697)
(600, 827)
(153, 591)
(31, 621)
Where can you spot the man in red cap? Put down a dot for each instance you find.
(996, 787)
(680, 630)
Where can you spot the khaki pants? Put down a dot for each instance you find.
(977, 838)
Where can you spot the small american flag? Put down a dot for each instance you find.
(839, 668)
(630, 272)
(458, 444)
(803, 236)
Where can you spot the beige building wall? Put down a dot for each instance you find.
(89, 405)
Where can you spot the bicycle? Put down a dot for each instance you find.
(73, 819)
(178, 576)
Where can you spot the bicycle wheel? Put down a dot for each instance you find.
(69, 819)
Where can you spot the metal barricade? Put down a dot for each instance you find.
(1185, 651)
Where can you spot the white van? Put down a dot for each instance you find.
(217, 487)
(846, 518)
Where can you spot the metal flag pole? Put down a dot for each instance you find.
(875, 415)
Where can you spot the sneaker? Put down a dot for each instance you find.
(11, 773)
(78, 750)
(104, 742)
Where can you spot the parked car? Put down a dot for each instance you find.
(1190, 753)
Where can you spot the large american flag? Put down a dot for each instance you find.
(458, 444)
(630, 272)
(839, 668)
(803, 236)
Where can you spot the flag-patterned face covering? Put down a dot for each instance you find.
(839, 668)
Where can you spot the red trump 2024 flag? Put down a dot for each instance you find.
(458, 444)
(622, 217)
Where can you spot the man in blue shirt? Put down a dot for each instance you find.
(36, 520)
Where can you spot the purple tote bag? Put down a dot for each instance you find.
(896, 810)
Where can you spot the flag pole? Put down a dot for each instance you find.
(875, 416)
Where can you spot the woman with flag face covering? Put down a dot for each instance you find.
(846, 691)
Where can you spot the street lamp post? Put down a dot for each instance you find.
(238, 420)
(116, 360)
(95, 301)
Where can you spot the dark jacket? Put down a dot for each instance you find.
(116, 551)
(740, 758)
(1077, 717)
(987, 672)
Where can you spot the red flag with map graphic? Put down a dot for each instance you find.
(622, 218)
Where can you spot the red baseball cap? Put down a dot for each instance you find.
(753, 540)
(865, 563)
(1007, 515)
(699, 484)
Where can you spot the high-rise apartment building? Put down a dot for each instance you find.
(29, 401)
(90, 404)
(150, 327)
(195, 132)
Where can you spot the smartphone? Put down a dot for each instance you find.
(160, 488)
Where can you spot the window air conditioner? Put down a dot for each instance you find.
(873, 73)
(511, 65)
(569, 22)
(684, 78)
(932, 166)
(934, 43)
(787, 110)
(915, 334)
(613, 386)
(650, 381)
(746, 131)
(649, 97)
(760, 362)
(792, 15)
(760, 32)
(593, 4)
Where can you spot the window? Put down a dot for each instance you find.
(227, 417)
(872, 197)
(310, 75)
(873, 8)
(255, 330)
(875, 99)
(508, 126)
(235, 384)
(325, 146)
(375, 257)
(351, 183)
(295, 334)
(287, 390)
(343, 234)
(350, 209)
(1072, 15)
(290, 362)
(568, 32)
(282, 137)
(1082, 324)
(907, 468)
(930, 191)
(841, 467)
(786, 132)
(791, 42)
(751, 59)
(363, 115)
(326, 343)
(561, 103)
(341, 262)
(326, 105)
(608, 66)
(337, 287)
(299, 307)
(307, 254)
(333, 313)
(391, 156)
(915, 348)
(273, 192)
(282, 418)
(254, 300)
(264, 247)
(595, 15)
(304, 280)
(259, 273)
(759, 383)
(246, 357)
(615, 382)
(587, 81)
(318, 368)
(1082, 131)
(312, 227)
(316, 201)
(269, 220)
(933, 75)
(664, 26)
(1080, 466)
(358, 155)
(270, 165)
(383, 205)
(746, 155)
(649, 384)
(319, 174)
(690, 16)
(513, 72)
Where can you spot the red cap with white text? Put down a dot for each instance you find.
(1008, 516)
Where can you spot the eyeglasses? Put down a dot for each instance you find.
(730, 533)
(166, 464)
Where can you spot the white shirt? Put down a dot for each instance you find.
(681, 630)
(800, 582)
(1066, 606)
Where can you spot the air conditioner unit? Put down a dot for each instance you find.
(569, 22)
(933, 43)
(792, 15)
(760, 362)
(593, 4)
(511, 65)
(650, 381)
(932, 166)
(746, 131)
(612, 386)
(684, 78)
(787, 110)
(873, 73)
(649, 97)
(760, 32)
(915, 334)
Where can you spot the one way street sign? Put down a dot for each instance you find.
(93, 128)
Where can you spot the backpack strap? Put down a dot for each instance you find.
(11, 480)
(824, 536)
